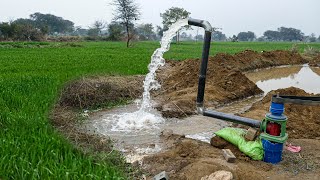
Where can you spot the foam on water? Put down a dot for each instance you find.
(157, 60)
(145, 118)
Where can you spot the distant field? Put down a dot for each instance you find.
(31, 76)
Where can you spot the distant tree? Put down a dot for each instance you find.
(159, 31)
(234, 38)
(23, 21)
(319, 39)
(272, 35)
(79, 31)
(185, 37)
(171, 16)
(218, 36)
(127, 13)
(93, 33)
(312, 38)
(198, 37)
(95, 30)
(145, 32)
(99, 26)
(290, 34)
(115, 31)
(51, 24)
(246, 36)
(6, 30)
(261, 39)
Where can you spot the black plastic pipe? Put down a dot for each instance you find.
(232, 118)
(204, 62)
(202, 80)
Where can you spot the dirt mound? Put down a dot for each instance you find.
(316, 70)
(315, 62)
(192, 159)
(224, 83)
(179, 82)
(303, 121)
(96, 91)
(249, 60)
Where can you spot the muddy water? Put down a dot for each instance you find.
(141, 142)
(137, 144)
(302, 77)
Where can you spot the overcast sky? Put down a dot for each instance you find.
(233, 16)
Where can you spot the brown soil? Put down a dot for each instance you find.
(224, 83)
(191, 159)
(316, 70)
(179, 82)
(303, 121)
(315, 62)
(96, 91)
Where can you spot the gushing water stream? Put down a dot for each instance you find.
(146, 118)
(150, 83)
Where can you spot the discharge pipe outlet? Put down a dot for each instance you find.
(202, 80)
(204, 62)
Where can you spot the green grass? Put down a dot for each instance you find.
(30, 83)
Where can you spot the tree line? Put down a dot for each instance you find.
(38, 27)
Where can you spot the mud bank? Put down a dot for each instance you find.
(303, 121)
(176, 98)
(186, 158)
(225, 81)
(191, 159)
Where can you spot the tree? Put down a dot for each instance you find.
(198, 37)
(246, 36)
(145, 32)
(171, 16)
(51, 24)
(312, 38)
(234, 38)
(6, 30)
(290, 34)
(126, 12)
(99, 26)
(159, 31)
(218, 36)
(96, 29)
(115, 31)
(272, 35)
(319, 39)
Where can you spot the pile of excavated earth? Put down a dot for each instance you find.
(191, 159)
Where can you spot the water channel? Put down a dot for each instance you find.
(143, 141)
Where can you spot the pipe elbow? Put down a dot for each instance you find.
(200, 23)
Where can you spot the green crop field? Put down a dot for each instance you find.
(31, 77)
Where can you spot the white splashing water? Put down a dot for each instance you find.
(144, 118)
(157, 60)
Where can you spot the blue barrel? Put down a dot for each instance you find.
(276, 108)
(272, 151)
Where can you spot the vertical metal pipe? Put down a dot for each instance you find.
(203, 70)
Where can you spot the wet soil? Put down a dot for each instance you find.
(225, 81)
(191, 159)
(315, 62)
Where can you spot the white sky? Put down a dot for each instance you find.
(233, 16)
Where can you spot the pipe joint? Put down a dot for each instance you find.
(201, 23)
(200, 108)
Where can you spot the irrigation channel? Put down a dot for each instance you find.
(143, 139)
(135, 128)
